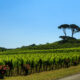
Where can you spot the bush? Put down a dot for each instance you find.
(3, 69)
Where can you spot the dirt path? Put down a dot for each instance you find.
(73, 77)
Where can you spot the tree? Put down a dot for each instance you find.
(64, 27)
(74, 28)
(32, 45)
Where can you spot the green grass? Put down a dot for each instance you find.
(20, 51)
(48, 75)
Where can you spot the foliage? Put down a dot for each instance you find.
(73, 27)
(64, 27)
(67, 38)
(2, 49)
(31, 61)
(3, 69)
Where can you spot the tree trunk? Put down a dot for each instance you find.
(72, 32)
(64, 31)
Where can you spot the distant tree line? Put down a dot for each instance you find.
(2, 49)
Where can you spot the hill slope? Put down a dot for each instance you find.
(55, 45)
(48, 46)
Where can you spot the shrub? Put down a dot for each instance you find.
(3, 70)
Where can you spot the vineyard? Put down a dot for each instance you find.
(24, 62)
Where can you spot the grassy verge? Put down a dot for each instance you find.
(49, 75)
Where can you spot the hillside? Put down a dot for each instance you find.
(55, 45)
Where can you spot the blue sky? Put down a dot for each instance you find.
(24, 22)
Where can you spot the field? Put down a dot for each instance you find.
(24, 62)
(33, 59)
